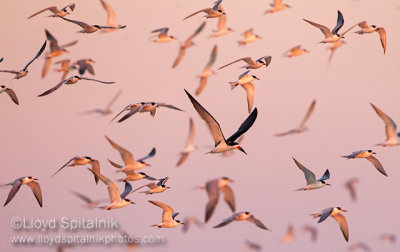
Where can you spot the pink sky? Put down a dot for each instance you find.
(43, 133)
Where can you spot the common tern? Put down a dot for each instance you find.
(154, 188)
(350, 185)
(367, 154)
(82, 160)
(277, 6)
(29, 181)
(312, 183)
(110, 17)
(24, 71)
(10, 92)
(86, 28)
(302, 127)
(56, 12)
(334, 212)
(365, 28)
(168, 216)
(213, 188)
(249, 37)
(213, 12)
(163, 36)
(240, 216)
(142, 107)
(251, 64)
(392, 137)
(332, 36)
(116, 200)
(71, 80)
(313, 232)
(222, 144)
(296, 51)
(244, 78)
(221, 27)
(107, 110)
(133, 176)
(188, 43)
(207, 72)
(189, 147)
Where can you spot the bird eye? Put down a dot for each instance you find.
(29, 177)
(339, 208)
(247, 212)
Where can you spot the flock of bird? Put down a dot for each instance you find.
(213, 187)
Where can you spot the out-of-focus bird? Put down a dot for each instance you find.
(289, 236)
(189, 221)
(89, 202)
(334, 212)
(110, 17)
(388, 238)
(86, 28)
(133, 176)
(312, 182)
(365, 28)
(222, 144)
(163, 36)
(56, 12)
(367, 154)
(332, 36)
(71, 80)
(188, 43)
(207, 72)
(29, 181)
(82, 160)
(244, 78)
(189, 147)
(249, 37)
(85, 64)
(240, 217)
(142, 107)
(277, 6)
(168, 216)
(333, 47)
(302, 127)
(213, 12)
(107, 110)
(24, 71)
(10, 92)
(221, 27)
(55, 51)
(359, 246)
(213, 188)
(129, 161)
(350, 185)
(65, 67)
(392, 137)
(251, 64)
(313, 231)
(295, 51)
(252, 246)
(116, 200)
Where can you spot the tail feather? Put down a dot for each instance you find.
(233, 85)
(317, 215)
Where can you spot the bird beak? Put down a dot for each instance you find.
(132, 202)
(241, 149)
(328, 184)
(256, 78)
(168, 187)
(344, 210)
(373, 152)
(35, 179)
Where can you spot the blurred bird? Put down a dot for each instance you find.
(65, 67)
(85, 64)
(107, 110)
(350, 185)
(24, 71)
(367, 154)
(240, 217)
(289, 234)
(221, 27)
(56, 12)
(249, 37)
(84, 160)
(333, 47)
(332, 36)
(312, 183)
(189, 144)
(213, 188)
(89, 203)
(86, 28)
(142, 107)
(392, 137)
(116, 200)
(133, 176)
(207, 72)
(10, 92)
(388, 238)
(163, 35)
(359, 246)
(251, 64)
(29, 181)
(189, 221)
(277, 6)
(244, 78)
(129, 161)
(188, 43)
(252, 246)
(55, 51)
(334, 212)
(168, 216)
(296, 51)
(302, 127)
(222, 144)
(365, 28)
(71, 80)
(110, 17)
(213, 12)
(1, 60)
(313, 231)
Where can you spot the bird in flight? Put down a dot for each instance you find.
(365, 28)
(251, 64)
(207, 72)
(29, 181)
(56, 12)
(10, 92)
(240, 217)
(392, 137)
(213, 189)
(312, 182)
(213, 12)
(163, 36)
(86, 28)
(367, 154)
(277, 5)
(335, 212)
(189, 144)
(168, 216)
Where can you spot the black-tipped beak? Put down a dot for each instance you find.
(241, 149)
(328, 184)
(133, 202)
(373, 152)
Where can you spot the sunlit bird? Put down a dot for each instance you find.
(350, 186)
(277, 6)
(207, 72)
(189, 147)
(56, 12)
(249, 37)
(65, 67)
(213, 189)
(289, 236)
(392, 137)
(86, 28)
(29, 181)
(368, 155)
(365, 28)
(82, 160)
(83, 65)
(110, 18)
(333, 47)
(252, 246)
(295, 51)
(245, 82)
(153, 187)
(163, 36)
(213, 12)
(240, 217)
(335, 212)
(107, 110)
(10, 93)
(168, 216)
(251, 64)
(244, 78)
(312, 182)
(142, 107)
(221, 27)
